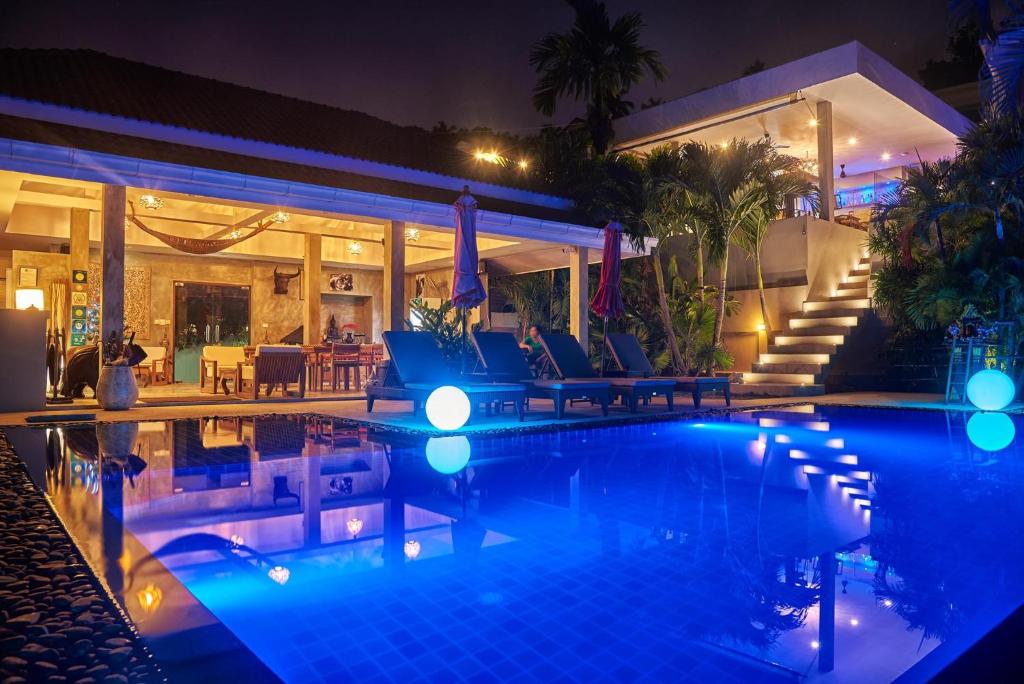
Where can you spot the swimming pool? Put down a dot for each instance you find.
(815, 542)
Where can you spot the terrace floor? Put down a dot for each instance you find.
(398, 414)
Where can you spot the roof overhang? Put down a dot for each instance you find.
(71, 163)
(877, 110)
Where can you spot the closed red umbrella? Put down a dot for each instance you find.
(607, 301)
(467, 289)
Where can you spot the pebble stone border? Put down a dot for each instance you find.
(57, 623)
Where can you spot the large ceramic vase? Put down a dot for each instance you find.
(117, 389)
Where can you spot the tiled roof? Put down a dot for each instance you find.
(99, 141)
(96, 82)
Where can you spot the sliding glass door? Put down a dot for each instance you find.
(206, 314)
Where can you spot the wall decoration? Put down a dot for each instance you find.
(341, 282)
(79, 277)
(79, 299)
(137, 296)
(281, 280)
(78, 312)
(28, 276)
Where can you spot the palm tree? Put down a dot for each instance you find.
(597, 61)
(780, 177)
(1002, 74)
(726, 194)
(641, 191)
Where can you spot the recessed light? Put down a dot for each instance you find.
(886, 156)
(851, 140)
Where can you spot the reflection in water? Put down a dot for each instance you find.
(772, 544)
(990, 431)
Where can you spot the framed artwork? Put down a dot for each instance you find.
(79, 277)
(28, 276)
(79, 299)
(341, 282)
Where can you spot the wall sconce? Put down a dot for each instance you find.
(355, 248)
(29, 298)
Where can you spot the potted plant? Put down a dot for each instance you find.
(117, 389)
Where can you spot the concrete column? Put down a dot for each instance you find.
(112, 279)
(394, 276)
(826, 163)
(579, 291)
(311, 332)
(78, 249)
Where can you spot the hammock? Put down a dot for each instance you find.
(198, 245)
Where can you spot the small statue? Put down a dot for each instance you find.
(332, 333)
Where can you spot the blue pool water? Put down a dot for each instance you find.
(818, 543)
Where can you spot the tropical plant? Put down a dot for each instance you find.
(443, 323)
(539, 298)
(1002, 75)
(598, 60)
(780, 177)
(642, 192)
(950, 235)
(726, 192)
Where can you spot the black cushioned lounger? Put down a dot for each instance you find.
(503, 361)
(570, 361)
(629, 357)
(417, 368)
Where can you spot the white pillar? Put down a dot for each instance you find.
(394, 276)
(826, 163)
(579, 290)
(113, 204)
(311, 289)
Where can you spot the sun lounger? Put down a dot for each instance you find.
(416, 368)
(503, 361)
(570, 361)
(629, 356)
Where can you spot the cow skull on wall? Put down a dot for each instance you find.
(281, 280)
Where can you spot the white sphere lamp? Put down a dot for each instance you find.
(991, 390)
(448, 408)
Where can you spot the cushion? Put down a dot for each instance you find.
(224, 356)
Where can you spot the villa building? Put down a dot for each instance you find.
(858, 122)
(85, 139)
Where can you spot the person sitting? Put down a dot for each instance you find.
(532, 347)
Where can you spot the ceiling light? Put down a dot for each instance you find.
(523, 165)
(886, 156)
(151, 202)
(355, 248)
(491, 157)
(280, 217)
(851, 140)
(812, 122)
(411, 549)
(412, 234)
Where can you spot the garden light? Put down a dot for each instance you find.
(991, 390)
(448, 455)
(447, 408)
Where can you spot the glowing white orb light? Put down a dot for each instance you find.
(991, 390)
(448, 455)
(990, 431)
(447, 408)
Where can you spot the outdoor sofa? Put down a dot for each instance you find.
(503, 360)
(629, 356)
(570, 361)
(416, 369)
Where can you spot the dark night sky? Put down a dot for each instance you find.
(463, 61)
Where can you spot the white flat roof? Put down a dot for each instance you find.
(877, 110)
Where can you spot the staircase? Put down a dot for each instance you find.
(796, 361)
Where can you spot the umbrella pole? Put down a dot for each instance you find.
(604, 343)
(462, 355)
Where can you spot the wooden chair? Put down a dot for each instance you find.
(272, 365)
(217, 363)
(370, 355)
(156, 367)
(346, 358)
